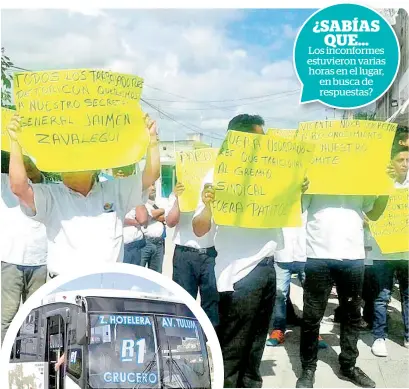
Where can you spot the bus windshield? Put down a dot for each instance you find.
(135, 350)
(183, 352)
(123, 351)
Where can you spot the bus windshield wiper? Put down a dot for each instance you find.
(149, 366)
(184, 383)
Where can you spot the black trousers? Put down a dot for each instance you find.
(244, 320)
(194, 270)
(320, 276)
(369, 294)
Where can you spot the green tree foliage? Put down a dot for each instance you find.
(6, 79)
(52, 177)
(361, 115)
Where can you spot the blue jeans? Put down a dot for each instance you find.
(384, 271)
(132, 252)
(152, 254)
(284, 271)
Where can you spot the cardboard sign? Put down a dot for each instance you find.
(391, 230)
(191, 168)
(258, 181)
(351, 156)
(75, 120)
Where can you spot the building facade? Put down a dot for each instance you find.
(393, 105)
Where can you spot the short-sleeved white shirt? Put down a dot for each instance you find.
(85, 230)
(132, 233)
(335, 225)
(184, 235)
(372, 250)
(23, 241)
(295, 244)
(155, 228)
(240, 250)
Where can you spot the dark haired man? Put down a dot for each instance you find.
(245, 278)
(194, 258)
(386, 265)
(335, 254)
(83, 217)
(401, 137)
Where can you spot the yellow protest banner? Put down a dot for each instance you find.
(258, 180)
(391, 230)
(83, 119)
(288, 134)
(351, 156)
(191, 168)
(6, 115)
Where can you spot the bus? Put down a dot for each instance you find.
(106, 339)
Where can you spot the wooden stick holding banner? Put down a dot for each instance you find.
(83, 119)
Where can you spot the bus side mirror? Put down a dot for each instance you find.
(82, 329)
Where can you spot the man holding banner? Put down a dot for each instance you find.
(335, 254)
(385, 265)
(83, 218)
(194, 257)
(244, 272)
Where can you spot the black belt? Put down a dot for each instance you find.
(209, 251)
(155, 240)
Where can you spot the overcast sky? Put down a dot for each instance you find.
(188, 55)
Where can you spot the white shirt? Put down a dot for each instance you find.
(372, 250)
(85, 230)
(240, 250)
(295, 244)
(335, 225)
(23, 241)
(184, 235)
(132, 233)
(154, 228)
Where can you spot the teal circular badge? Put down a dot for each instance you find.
(346, 56)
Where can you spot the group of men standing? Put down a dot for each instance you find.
(242, 274)
(253, 267)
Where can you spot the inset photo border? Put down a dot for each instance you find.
(148, 317)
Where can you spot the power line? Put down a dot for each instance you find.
(208, 103)
(214, 107)
(18, 68)
(212, 101)
(188, 125)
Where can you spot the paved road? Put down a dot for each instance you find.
(281, 365)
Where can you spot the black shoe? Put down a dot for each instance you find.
(358, 377)
(307, 379)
